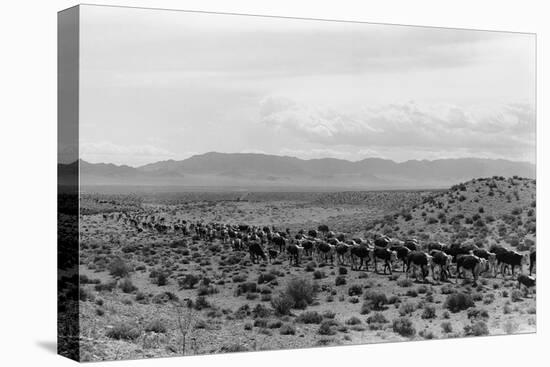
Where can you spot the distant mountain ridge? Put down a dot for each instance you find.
(250, 169)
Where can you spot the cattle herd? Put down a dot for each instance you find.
(268, 244)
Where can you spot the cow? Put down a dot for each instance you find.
(280, 242)
(385, 254)
(526, 281)
(443, 261)
(457, 249)
(489, 256)
(295, 253)
(532, 261)
(272, 254)
(363, 253)
(325, 251)
(512, 259)
(418, 259)
(255, 250)
(470, 262)
(237, 244)
(382, 241)
(402, 253)
(308, 247)
(342, 252)
(411, 244)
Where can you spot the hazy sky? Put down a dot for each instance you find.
(159, 85)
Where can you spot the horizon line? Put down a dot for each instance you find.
(302, 159)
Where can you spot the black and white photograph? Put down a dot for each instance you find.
(235, 183)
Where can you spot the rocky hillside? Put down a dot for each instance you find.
(484, 211)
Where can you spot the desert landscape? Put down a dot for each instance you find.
(178, 273)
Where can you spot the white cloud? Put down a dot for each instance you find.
(123, 154)
(506, 130)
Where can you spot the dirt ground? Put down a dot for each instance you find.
(131, 314)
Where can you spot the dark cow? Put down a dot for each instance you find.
(443, 261)
(363, 253)
(295, 253)
(325, 251)
(385, 254)
(256, 251)
(418, 259)
(512, 259)
(272, 254)
(382, 241)
(470, 262)
(308, 247)
(526, 281)
(456, 249)
(279, 242)
(532, 261)
(342, 252)
(402, 253)
(411, 244)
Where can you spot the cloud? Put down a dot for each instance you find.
(497, 130)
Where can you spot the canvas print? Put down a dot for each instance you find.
(233, 183)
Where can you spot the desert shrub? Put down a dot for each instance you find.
(412, 293)
(188, 281)
(287, 329)
(377, 318)
(301, 291)
(318, 274)
(340, 280)
(404, 327)
(282, 303)
(342, 271)
(353, 321)
(156, 326)
(266, 278)
(327, 327)
(108, 287)
(260, 323)
(123, 331)
(355, 290)
(309, 317)
(127, 286)
(429, 312)
(200, 303)
(477, 313)
(404, 283)
(516, 295)
(447, 327)
(164, 297)
(376, 299)
(274, 324)
(85, 295)
(458, 301)
(365, 308)
(233, 348)
(118, 268)
(510, 327)
(478, 328)
(247, 288)
(328, 314)
(407, 308)
(239, 278)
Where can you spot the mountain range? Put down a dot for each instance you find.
(249, 170)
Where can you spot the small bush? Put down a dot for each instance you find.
(327, 328)
(447, 327)
(266, 278)
(118, 268)
(479, 328)
(376, 299)
(301, 291)
(407, 308)
(156, 326)
(516, 295)
(127, 286)
(355, 290)
(353, 321)
(309, 317)
(282, 304)
(342, 271)
(287, 329)
(123, 331)
(404, 327)
(458, 302)
(340, 280)
(429, 312)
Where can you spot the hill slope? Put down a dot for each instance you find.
(485, 211)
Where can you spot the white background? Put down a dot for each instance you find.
(28, 169)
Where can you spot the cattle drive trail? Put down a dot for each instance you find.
(195, 273)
